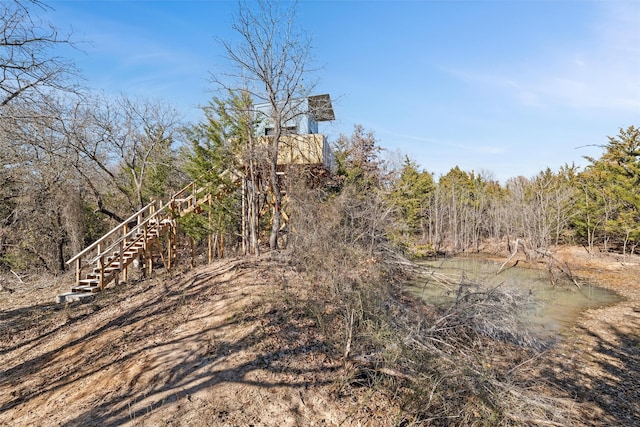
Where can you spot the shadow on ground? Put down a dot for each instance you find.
(122, 357)
(606, 379)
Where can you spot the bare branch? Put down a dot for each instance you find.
(28, 66)
(270, 62)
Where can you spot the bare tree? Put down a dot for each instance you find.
(124, 150)
(38, 215)
(541, 207)
(28, 64)
(270, 62)
(40, 200)
(66, 163)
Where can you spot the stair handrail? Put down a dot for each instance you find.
(191, 190)
(108, 234)
(130, 233)
(192, 185)
(167, 206)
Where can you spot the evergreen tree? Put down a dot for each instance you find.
(411, 194)
(224, 159)
(610, 202)
(358, 159)
(211, 164)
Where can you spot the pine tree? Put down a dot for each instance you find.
(610, 205)
(411, 194)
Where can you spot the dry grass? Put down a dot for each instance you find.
(446, 365)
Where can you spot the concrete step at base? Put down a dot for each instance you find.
(74, 296)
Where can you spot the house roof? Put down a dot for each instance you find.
(321, 108)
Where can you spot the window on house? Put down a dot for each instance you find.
(285, 130)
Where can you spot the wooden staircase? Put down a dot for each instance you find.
(107, 260)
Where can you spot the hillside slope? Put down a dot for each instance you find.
(214, 346)
(240, 342)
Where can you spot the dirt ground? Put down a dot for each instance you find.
(220, 345)
(213, 346)
(598, 365)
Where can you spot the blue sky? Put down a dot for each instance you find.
(509, 87)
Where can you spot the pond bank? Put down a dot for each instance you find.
(598, 364)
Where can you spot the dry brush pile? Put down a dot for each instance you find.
(443, 365)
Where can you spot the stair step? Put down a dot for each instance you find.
(95, 275)
(84, 289)
(134, 247)
(127, 255)
(89, 281)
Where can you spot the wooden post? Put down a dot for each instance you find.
(193, 252)
(210, 236)
(220, 239)
(243, 227)
(101, 277)
(78, 267)
(101, 265)
(143, 258)
(172, 207)
(120, 261)
(124, 269)
(170, 248)
(125, 273)
(175, 243)
(148, 253)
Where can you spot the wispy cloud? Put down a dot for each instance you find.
(603, 73)
(122, 57)
(467, 147)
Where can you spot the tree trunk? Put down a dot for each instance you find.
(277, 206)
(252, 202)
(275, 185)
(245, 216)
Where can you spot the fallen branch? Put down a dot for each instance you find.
(18, 277)
(515, 251)
(369, 361)
(568, 273)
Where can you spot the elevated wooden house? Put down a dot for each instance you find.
(301, 143)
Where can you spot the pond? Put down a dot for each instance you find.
(553, 310)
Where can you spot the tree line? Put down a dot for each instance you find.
(597, 207)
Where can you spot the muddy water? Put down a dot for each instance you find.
(553, 309)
